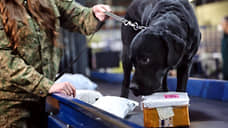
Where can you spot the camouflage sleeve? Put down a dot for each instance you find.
(76, 17)
(15, 72)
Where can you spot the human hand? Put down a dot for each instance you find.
(99, 10)
(65, 88)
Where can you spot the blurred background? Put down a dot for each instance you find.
(104, 50)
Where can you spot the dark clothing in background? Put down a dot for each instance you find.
(225, 56)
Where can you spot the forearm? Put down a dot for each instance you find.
(75, 17)
(18, 74)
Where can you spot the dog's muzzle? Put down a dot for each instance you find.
(143, 91)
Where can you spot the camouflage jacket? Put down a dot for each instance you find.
(31, 72)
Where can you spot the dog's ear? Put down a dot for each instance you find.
(175, 46)
(134, 44)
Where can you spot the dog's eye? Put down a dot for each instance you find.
(145, 60)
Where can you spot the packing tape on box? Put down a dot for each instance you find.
(165, 112)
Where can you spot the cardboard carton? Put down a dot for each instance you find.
(169, 109)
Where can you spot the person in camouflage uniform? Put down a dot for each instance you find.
(30, 54)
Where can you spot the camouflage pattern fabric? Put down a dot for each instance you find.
(26, 77)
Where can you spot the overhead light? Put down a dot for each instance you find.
(191, 0)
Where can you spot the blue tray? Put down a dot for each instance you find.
(67, 112)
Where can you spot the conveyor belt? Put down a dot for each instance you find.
(204, 113)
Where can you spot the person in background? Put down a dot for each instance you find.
(224, 48)
(30, 53)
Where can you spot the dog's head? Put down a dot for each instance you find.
(153, 53)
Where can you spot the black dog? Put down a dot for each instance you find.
(170, 40)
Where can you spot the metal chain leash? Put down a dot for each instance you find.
(126, 22)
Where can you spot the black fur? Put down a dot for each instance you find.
(170, 40)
